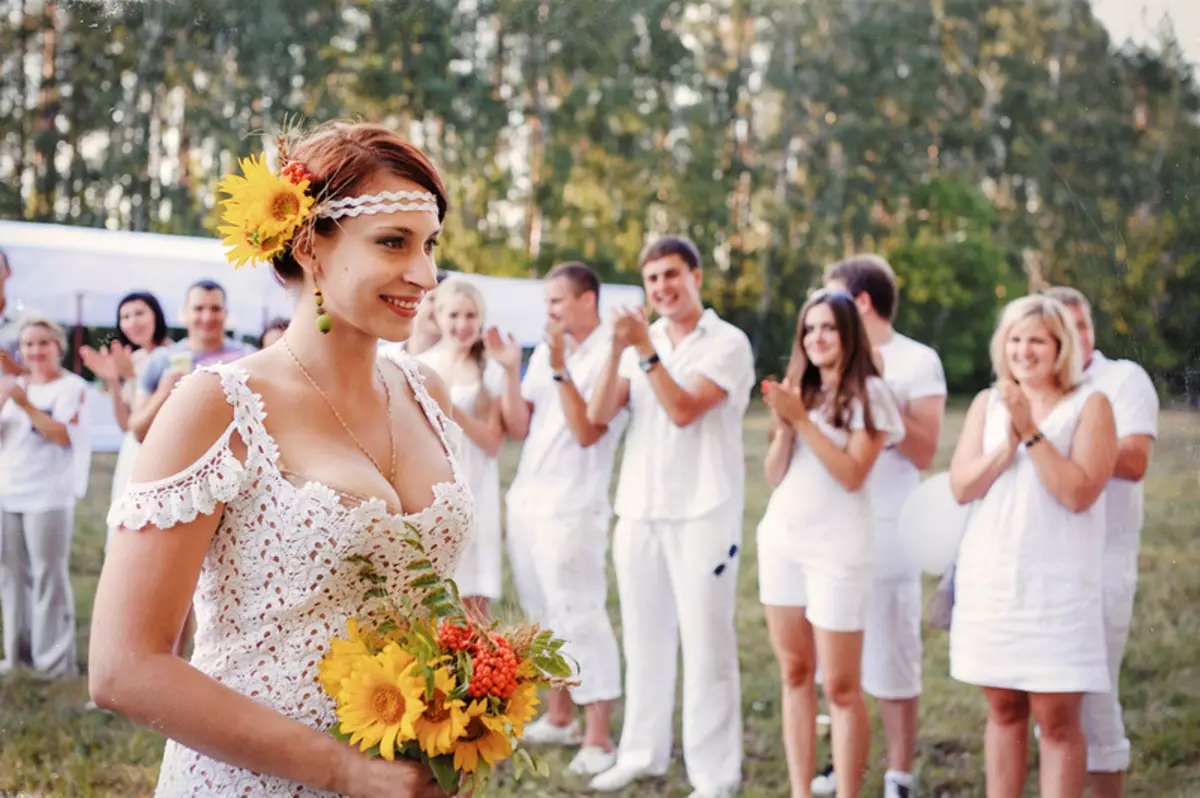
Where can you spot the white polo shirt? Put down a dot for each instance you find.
(672, 473)
(1135, 410)
(911, 371)
(555, 474)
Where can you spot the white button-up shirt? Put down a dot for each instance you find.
(555, 474)
(1135, 410)
(672, 473)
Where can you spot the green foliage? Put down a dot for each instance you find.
(779, 135)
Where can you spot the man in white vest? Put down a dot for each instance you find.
(1135, 408)
(686, 382)
(891, 668)
(558, 510)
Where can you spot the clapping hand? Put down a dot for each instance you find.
(785, 402)
(556, 339)
(110, 363)
(1019, 410)
(9, 366)
(506, 352)
(631, 328)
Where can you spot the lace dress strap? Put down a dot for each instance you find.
(449, 433)
(215, 478)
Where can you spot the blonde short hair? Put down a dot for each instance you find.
(49, 325)
(452, 286)
(1068, 367)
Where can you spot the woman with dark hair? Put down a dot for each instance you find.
(831, 417)
(260, 477)
(141, 328)
(273, 332)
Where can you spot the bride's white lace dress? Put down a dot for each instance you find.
(275, 587)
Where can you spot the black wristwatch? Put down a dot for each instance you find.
(1037, 436)
(649, 362)
(561, 376)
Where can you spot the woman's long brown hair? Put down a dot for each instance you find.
(856, 365)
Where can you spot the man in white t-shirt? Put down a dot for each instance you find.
(1135, 409)
(686, 382)
(891, 670)
(558, 511)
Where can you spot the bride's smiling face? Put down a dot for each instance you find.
(375, 268)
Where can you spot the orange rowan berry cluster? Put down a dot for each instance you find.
(296, 172)
(493, 670)
(455, 638)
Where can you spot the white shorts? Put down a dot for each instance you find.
(834, 601)
(891, 667)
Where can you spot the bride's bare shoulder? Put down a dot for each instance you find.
(436, 386)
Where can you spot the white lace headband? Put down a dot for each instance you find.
(384, 202)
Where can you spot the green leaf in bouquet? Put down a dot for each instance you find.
(540, 766)
(426, 581)
(443, 770)
(419, 565)
(522, 762)
(387, 627)
(358, 558)
(376, 592)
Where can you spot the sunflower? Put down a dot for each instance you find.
(343, 657)
(485, 737)
(444, 720)
(380, 700)
(262, 212)
(248, 244)
(522, 706)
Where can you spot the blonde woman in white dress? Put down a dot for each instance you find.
(1036, 452)
(262, 476)
(476, 383)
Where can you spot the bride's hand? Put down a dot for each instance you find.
(378, 778)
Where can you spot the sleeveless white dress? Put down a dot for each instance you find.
(1028, 610)
(274, 586)
(479, 570)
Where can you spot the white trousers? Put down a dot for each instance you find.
(1103, 726)
(569, 558)
(37, 607)
(520, 541)
(678, 582)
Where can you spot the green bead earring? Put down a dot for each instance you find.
(324, 320)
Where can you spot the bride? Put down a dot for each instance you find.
(259, 478)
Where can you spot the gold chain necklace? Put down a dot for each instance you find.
(390, 475)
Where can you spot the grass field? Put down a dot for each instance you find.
(51, 746)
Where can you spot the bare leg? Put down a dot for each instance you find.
(899, 719)
(1107, 785)
(598, 731)
(560, 709)
(792, 639)
(841, 663)
(1063, 761)
(1006, 742)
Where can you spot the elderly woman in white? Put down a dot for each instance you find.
(44, 458)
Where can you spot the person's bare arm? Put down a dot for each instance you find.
(486, 431)
(46, 425)
(922, 430)
(612, 391)
(1077, 478)
(779, 453)
(972, 470)
(1133, 457)
(141, 604)
(146, 406)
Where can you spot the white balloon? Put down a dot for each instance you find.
(932, 524)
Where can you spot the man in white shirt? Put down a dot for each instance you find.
(891, 670)
(686, 381)
(1135, 409)
(558, 510)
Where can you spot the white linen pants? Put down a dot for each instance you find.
(37, 606)
(1108, 749)
(568, 555)
(677, 582)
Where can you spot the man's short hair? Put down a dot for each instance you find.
(869, 274)
(1072, 298)
(579, 275)
(671, 245)
(207, 285)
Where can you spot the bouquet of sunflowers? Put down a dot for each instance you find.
(422, 680)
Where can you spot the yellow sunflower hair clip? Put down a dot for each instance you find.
(264, 210)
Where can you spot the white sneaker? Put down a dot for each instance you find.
(824, 782)
(892, 788)
(543, 732)
(616, 778)
(823, 725)
(592, 760)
